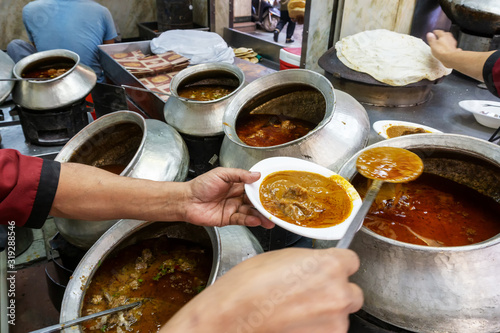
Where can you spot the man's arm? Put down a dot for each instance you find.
(215, 198)
(444, 48)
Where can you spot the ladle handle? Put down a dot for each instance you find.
(156, 92)
(76, 321)
(356, 223)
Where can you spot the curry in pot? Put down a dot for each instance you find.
(49, 68)
(205, 92)
(305, 198)
(265, 130)
(431, 210)
(163, 273)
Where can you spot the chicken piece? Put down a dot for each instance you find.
(96, 299)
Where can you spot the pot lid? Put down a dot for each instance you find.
(6, 66)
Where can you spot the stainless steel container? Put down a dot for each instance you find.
(54, 93)
(434, 289)
(202, 118)
(230, 245)
(150, 149)
(481, 17)
(6, 66)
(342, 129)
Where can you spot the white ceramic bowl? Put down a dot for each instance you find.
(487, 113)
(381, 127)
(274, 164)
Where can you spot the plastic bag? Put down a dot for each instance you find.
(198, 46)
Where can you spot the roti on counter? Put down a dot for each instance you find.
(390, 57)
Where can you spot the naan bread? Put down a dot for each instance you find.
(390, 57)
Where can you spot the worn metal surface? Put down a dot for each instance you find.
(6, 66)
(58, 92)
(230, 245)
(434, 289)
(202, 118)
(161, 155)
(479, 16)
(342, 131)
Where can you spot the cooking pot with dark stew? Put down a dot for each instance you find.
(163, 273)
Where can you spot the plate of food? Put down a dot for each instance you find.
(487, 113)
(304, 197)
(393, 128)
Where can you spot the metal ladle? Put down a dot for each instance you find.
(159, 93)
(381, 164)
(76, 321)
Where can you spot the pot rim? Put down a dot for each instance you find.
(200, 68)
(23, 63)
(290, 76)
(89, 132)
(432, 141)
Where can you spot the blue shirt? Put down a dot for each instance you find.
(75, 25)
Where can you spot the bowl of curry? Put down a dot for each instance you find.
(303, 197)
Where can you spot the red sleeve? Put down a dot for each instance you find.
(491, 73)
(27, 188)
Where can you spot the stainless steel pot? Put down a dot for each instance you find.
(342, 129)
(477, 16)
(63, 90)
(230, 246)
(435, 289)
(202, 118)
(6, 66)
(150, 149)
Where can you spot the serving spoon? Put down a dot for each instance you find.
(159, 93)
(381, 164)
(76, 321)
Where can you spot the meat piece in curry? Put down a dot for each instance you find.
(265, 130)
(163, 273)
(306, 199)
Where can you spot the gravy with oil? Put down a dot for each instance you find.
(163, 273)
(306, 199)
(432, 210)
(265, 130)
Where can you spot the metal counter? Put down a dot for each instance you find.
(441, 111)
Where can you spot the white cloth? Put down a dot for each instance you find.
(198, 46)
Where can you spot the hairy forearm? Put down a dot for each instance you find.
(89, 193)
(466, 62)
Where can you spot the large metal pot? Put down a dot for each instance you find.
(150, 149)
(477, 16)
(202, 118)
(230, 245)
(342, 129)
(435, 289)
(6, 66)
(60, 91)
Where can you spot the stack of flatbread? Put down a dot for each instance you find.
(246, 54)
(390, 57)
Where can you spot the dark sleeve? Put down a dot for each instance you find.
(491, 73)
(27, 188)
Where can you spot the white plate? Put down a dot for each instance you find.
(488, 116)
(274, 164)
(381, 127)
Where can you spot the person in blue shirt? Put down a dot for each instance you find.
(75, 25)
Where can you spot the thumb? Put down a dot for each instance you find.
(431, 37)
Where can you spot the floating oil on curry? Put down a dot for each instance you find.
(265, 130)
(49, 68)
(163, 273)
(390, 164)
(305, 198)
(432, 211)
(205, 92)
(400, 130)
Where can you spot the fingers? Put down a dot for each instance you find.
(248, 216)
(431, 37)
(356, 297)
(233, 175)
